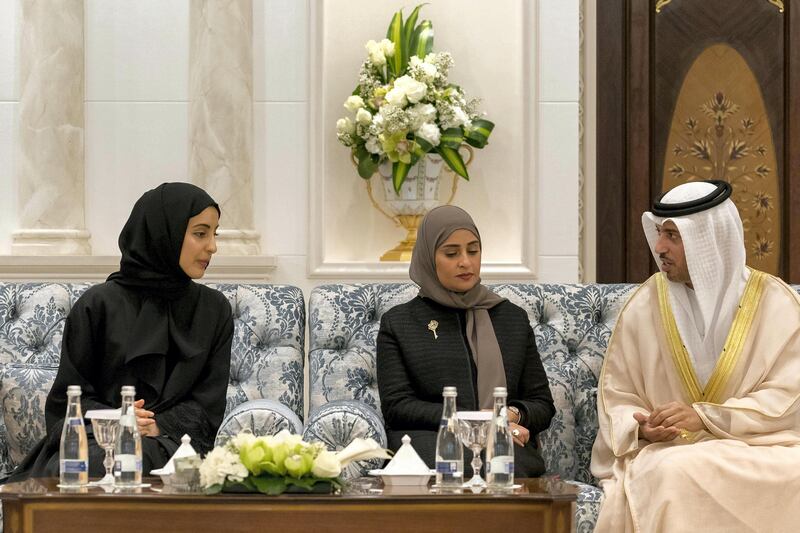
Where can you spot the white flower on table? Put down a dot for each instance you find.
(326, 465)
(413, 89)
(221, 464)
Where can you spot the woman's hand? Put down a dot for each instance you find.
(145, 421)
(519, 434)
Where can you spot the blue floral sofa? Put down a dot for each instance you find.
(572, 324)
(265, 391)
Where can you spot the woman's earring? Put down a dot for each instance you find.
(432, 325)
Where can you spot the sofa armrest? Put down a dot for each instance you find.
(337, 423)
(587, 507)
(262, 417)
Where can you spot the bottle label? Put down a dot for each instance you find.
(446, 467)
(501, 464)
(75, 421)
(127, 463)
(73, 466)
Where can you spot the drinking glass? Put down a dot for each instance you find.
(473, 427)
(105, 425)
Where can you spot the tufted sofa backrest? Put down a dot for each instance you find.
(266, 354)
(572, 325)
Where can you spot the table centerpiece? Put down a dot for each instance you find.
(275, 464)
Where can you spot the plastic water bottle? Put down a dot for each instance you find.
(128, 448)
(449, 452)
(74, 450)
(500, 445)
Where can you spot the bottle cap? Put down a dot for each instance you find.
(501, 392)
(128, 389)
(449, 391)
(74, 390)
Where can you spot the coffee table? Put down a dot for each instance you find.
(38, 506)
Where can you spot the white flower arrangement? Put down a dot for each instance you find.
(404, 105)
(271, 464)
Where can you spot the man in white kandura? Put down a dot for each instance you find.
(698, 399)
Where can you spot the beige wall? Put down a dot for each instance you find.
(524, 193)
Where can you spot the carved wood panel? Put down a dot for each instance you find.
(698, 89)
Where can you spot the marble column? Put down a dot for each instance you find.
(221, 116)
(51, 123)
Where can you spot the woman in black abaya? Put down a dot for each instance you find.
(149, 325)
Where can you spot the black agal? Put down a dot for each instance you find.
(713, 199)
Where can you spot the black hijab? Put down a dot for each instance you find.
(151, 243)
(152, 238)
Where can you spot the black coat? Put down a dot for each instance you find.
(413, 367)
(185, 386)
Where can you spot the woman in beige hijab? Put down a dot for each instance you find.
(457, 332)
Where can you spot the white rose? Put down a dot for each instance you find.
(326, 465)
(363, 116)
(397, 96)
(345, 125)
(376, 55)
(430, 132)
(353, 103)
(387, 47)
(413, 89)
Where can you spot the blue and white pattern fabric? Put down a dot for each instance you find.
(339, 422)
(259, 417)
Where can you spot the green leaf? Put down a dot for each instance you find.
(367, 162)
(408, 31)
(478, 134)
(214, 489)
(453, 160)
(421, 43)
(419, 148)
(304, 483)
(452, 138)
(271, 485)
(395, 34)
(399, 173)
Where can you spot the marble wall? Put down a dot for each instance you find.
(139, 123)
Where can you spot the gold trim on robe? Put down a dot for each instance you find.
(748, 305)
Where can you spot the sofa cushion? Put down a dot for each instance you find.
(260, 417)
(31, 324)
(339, 422)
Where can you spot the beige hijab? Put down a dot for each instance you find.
(435, 228)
